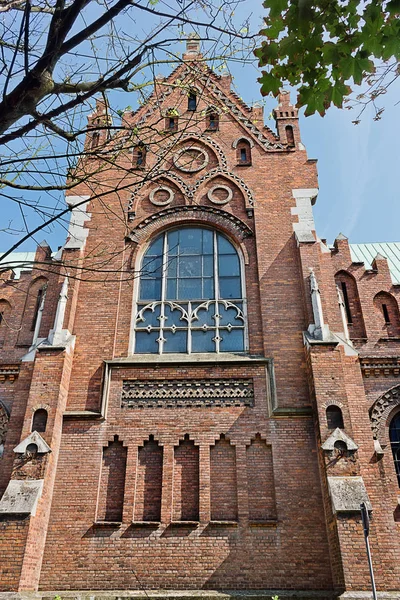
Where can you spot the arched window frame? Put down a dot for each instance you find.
(212, 119)
(192, 100)
(334, 417)
(289, 135)
(171, 120)
(137, 302)
(36, 417)
(395, 444)
(243, 152)
(139, 156)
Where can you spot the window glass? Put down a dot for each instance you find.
(394, 434)
(190, 294)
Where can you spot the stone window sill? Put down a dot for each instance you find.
(107, 523)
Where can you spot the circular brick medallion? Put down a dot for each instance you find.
(191, 159)
(158, 197)
(211, 194)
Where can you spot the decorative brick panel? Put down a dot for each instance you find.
(149, 482)
(171, 393)
(223, 481)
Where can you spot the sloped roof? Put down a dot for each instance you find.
(19, 261)
(367, 252)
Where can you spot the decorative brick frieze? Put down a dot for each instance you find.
(387, 365)
(9, 372)
(173, 393)
(206, 213)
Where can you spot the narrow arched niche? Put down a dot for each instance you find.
(149, 481)
(289, 135)
(5, 312)
(349, 292)
(39, 420)
(334, 417)
(388, 314)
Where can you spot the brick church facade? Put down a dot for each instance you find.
(198, 396)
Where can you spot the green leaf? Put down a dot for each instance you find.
(269, 84)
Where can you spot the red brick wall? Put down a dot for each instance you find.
(186, 482)
(13, 534)
(112, 482)
(260, 481)
(149, 482)
(223, 481)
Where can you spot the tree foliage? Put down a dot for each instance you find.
(325, 47)
(57, 57)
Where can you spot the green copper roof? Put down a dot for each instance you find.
(366, 253)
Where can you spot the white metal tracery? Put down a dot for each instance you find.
(190, 295)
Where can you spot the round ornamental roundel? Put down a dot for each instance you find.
(191, 159)
(161, 196)
(220, 194)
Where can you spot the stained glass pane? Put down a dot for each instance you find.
(203, 341)
(229, 287)
(229, 315)
(150, 289)
(152, 266)
(228, 265)
(171, 289)
(225, 247)
(208, 266)
(175, 342)
(232, 341)
(156, 247)
(208, 242)
(190, 266)
(204, 315)
(190, 241)
(150, 317)
(172, 266)
(208, 288)
(146, 342)
(175, 316)
(173, 242)
(189, 289)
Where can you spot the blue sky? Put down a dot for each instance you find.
(357, 164)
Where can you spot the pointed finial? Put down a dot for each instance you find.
(193, 45)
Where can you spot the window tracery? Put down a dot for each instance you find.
(190, 295)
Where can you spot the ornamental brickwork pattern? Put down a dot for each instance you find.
(174, 393)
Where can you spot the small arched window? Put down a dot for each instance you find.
(394, 434)
(349, 292)
(139, 157)
(212, 120)
(39, 421)
(334, 417)
(171, 120)
(289, 135)
(190, 294)
(192, 100)
(39, 300)
(5, 310)
(95, 140)
(243, 153)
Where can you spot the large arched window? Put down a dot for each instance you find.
(394, 434)
(190, 295)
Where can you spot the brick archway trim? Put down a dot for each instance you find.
(380, 413)
(186, 214)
